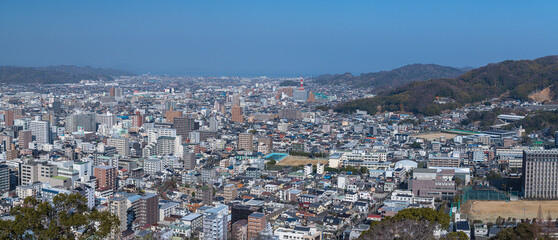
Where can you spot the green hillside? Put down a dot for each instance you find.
(508, 79)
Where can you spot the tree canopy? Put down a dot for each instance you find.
(60, 219)
(410, 223)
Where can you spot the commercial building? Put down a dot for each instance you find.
(41, 131)
(540, 174)
(85, 121)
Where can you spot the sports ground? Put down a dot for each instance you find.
(299, 160)
(491, 210)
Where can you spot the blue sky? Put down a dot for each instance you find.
(273, 37)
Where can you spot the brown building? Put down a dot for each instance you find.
(24, 139)
(106, 177)
(287, 90)
(183, 126)
(245, 141)
(138, 120)
(112, 92)
(170, 115)
(148, 210)
(444, 162)
(9, 118)
(256, 224)
(237, 114)
(230, 192)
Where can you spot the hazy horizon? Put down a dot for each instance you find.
(286, 38)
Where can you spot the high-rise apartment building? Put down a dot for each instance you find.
(236, 113)
(189, 159)
(215, 223)
(106, 177)
(183, 126)
(4, 178)
(41, 131)
(148, 210)
(245, 141)
(540, 174)
(24, 138)
(122, 145)
(118, 207)
(9, 118)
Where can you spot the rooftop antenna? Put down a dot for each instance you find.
(301, 83)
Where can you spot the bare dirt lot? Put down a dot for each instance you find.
(490, 210)
(298, 160)
(432, 136)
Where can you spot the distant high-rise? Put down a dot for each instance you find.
(41, 131)
(112, 92)
(540, 174)
(9, 118)
(213, 124)
(245, 141)
(122, 145)
(236, 113)
(108, 119)
(236, 100)
(137, 120)
(87, 121)
(24, 138)
(183, 126)
(56, 106)
(189, 160)
(170, 115)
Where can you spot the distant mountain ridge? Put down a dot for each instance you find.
(520, 79)
(56, 74)
(384, 80)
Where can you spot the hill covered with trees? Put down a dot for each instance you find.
(384, 80)
(508, 79)
(56, 74)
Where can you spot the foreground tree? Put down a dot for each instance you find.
(411, 223)
(60, 219)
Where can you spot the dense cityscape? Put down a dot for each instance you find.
(264, 158)
(278, 120)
